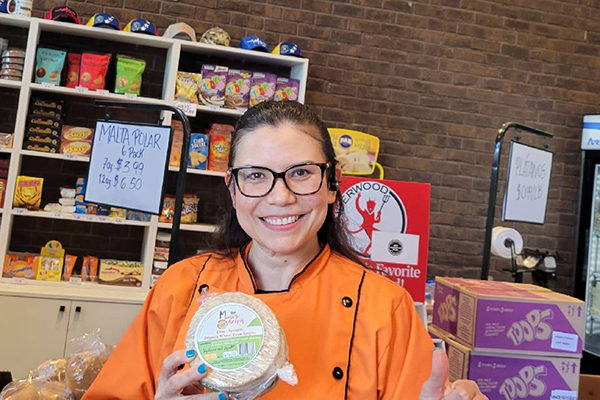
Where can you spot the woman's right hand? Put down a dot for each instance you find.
(184, 385)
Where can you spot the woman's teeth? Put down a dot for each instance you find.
(281, 221)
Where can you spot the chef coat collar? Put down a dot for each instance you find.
(310, 270)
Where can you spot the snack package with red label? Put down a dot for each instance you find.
(92, 71)
(218, 153)
(73, 63)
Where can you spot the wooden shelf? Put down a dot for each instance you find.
(81, 92)
(7, 83)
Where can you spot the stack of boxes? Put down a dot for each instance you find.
(515, 341)
(44, 125)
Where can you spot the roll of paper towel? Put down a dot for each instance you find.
(499, 236)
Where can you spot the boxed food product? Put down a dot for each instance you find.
(49, 65)
(76, 133)
(129, 74)
(20, 265)
(187, 87)
(286, 89)
(262, 87)
(212, 87)
(218, 155)
(161, 253)
(158, 267)
(237, 90)
(44, 148)
(50, 262)
(92, 70)
(43, 112)
(513, 376)
(176, 144)
(28, 192)
(502, 317)
(123, 273)
(198, 151)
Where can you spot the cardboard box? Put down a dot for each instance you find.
(122, 273)
(589, 387)
(500, 316)
(512, 376)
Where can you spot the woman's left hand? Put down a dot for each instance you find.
(437, 386)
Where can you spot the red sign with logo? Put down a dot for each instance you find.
(388, 223)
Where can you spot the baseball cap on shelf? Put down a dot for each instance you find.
(180, 30)
(64, 14)
(287, 49)
(140, 25)
(103, 20)
(253, 43)
(216, 35)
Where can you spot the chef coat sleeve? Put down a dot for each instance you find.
(405, 363)
(131, 372)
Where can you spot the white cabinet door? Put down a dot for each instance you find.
(112, 319)
(32, 330)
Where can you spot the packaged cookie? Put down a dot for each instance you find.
(42, 139)
(262, 87)
(44, 148)
(54, 104)
(128, 78)
(73, 64)
(168, 209)
(212, 87)
(49, 65)
(237, 90)
(198, 151)
(186, 87)
(78, 133)
(189, 209)
(176, 143)
(41, 130)
(286, 89)
(92, 70)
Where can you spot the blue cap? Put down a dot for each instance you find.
(140, 25)
(287, 49)
(253, 43)
(104, 20)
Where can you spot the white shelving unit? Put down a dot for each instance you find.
(175, 51)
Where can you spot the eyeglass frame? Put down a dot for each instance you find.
(276, 175)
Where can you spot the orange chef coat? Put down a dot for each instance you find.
(351, 333)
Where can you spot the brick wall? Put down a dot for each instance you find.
(434, 80)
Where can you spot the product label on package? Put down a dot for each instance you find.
(229, 336)
(563, 395)
(564, 341)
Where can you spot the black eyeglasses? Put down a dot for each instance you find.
(301, 179)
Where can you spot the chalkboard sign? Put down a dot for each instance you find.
(127, 165)
(528, 180)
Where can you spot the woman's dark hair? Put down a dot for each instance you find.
(273, 113)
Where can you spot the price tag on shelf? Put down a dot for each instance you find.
(213, 107)
(78, 217)
(75, 280)
(188, 109)
(15, 279)
(103, 92)
(81, 89)
(132, 96)
(19, 211)
(48, 85)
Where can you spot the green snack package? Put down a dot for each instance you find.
(48, 65)
(129, 74)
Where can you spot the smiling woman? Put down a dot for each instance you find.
(350, 332)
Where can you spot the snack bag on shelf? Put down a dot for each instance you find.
(262, 87)
(138, 216)
(175, 155)
(51, 262)
(168, 209)
(76, 140)
(28, 192)
(218, 155)
(20, 265)
(6, 140)
(189, 210)
(70, 261)
(116, 212)
(212, 87)
(49, 65)
(187, 87)
(122, 273)
(2, 191)
(286, 89)
(73, 63)
(92, 70)
(89, 269)
(237, 90)
(129, 74)
(198, 151)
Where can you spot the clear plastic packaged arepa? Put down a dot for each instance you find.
(239, 338)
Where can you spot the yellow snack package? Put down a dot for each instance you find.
(356, 151)
(187, 87)
(28, 192)
(51, 262)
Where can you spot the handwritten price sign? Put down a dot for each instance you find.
(127, 165)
